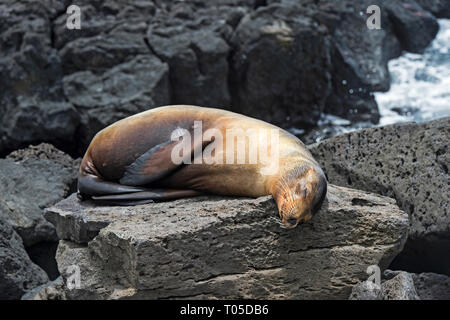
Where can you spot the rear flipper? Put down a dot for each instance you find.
(91, 185)
(142, 197)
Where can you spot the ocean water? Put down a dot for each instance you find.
(420, 83)
(420, 90)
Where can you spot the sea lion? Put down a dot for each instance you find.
(151, 156)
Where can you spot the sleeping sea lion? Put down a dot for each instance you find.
(180, 151)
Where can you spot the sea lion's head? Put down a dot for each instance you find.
(300, 194)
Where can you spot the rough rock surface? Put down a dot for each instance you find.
(273, 46)
(284, 61)
(401, 285)
(432, 286)
(52, 290)
(215, 247)
(408, 162)
(32, 103)
(126, 89)
(193, 43)
(30, 180)
(17, 273)
(366, 290)
(440, 9)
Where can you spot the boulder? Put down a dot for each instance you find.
(281, 65)
(32, 103)
(220, 247)
(359, 58)
(18, 274)
(399, 286)
(193, 43)
(366, 290)
(409, 19)
(283, 61)
(439, 8)
(30, 180)
(123, 90)
(105, 18)
(432, 286)
(52, 290)
(408, 162)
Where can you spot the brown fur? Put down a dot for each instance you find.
(295, 186)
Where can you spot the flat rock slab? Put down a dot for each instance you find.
(218, 247)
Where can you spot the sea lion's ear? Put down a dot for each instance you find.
(301, 190)
(322, 192)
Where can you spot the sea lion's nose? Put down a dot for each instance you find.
(292, 221)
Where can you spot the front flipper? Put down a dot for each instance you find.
(157, 162)
(148, 196)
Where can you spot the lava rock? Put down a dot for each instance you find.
(18, 274)
(31, 180)
(218, 247)
(400, 286)
(409, 19)
(32, 103)
(432, 286)
(408, 162)
(281, 65)
(194, 47)
(428, 285)
(366, 290)
(439, 8)
(101, 99)
(53, 290)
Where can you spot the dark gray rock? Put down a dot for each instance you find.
(132, 87)
(399, 286)
(53, 290)
(32, 104)
(281, 65)
(105, 18)
(284, 61)
(429, 286)
(194, 47)
(31, 180)
(216, 247)
(432, 286)
(17, 273)
(440, 8)
(409, 19)
(408, 162)
(102, 52)
(359, 59)
(366, 290)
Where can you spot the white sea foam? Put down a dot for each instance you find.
(420, 84)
